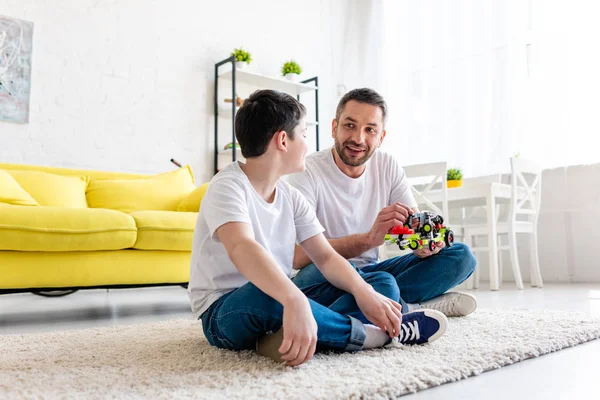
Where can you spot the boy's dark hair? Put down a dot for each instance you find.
(363, 95)
(263, 114)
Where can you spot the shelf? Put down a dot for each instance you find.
(244, 82)
(268, 82)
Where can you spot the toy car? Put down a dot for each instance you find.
(421, 229)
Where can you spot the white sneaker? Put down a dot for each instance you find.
(452, 304)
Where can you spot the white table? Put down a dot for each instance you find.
(486, 194)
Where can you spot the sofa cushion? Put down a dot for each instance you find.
(160, 192)
(164, 230)
(53, 190)
(12, 193)
(193, 200)
(64, 229)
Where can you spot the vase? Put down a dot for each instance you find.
(453, 184)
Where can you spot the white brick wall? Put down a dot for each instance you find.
(126, 85)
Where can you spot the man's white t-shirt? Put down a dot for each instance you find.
(347, 206)
(277, 226)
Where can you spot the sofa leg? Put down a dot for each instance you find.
(54, 293)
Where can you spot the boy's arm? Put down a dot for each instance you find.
(257, 265)
(383, 312)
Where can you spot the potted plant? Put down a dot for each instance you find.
(291, 70)
(454, 177)
(242, 58)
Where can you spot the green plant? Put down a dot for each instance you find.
(241, 55)
(454, 174)
(291, 67)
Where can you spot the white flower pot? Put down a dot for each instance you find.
(241, 64)
(292, 77)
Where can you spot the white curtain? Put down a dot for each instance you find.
(469, 82)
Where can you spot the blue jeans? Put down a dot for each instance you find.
(240, 317)
(419, 279)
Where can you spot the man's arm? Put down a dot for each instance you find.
(348, 247)
(383, 312)
(257, 265)
(354, 245)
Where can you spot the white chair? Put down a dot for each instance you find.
(472, 216)
(526, 181)
(424, 178)
(431, 176)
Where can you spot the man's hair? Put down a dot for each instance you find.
(263, 114)
(363, 95)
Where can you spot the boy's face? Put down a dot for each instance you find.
(297, 149)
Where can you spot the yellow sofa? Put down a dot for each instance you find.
(70, 229)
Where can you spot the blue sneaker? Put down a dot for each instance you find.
(421, 326)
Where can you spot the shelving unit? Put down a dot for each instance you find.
(255, 80)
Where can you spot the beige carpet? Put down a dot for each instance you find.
(173, 360)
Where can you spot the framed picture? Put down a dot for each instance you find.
(15, 69)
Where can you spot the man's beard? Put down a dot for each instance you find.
(352, 162)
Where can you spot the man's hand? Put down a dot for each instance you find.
(387, 218)
(299, 332)
(425, 252)
(381, 311)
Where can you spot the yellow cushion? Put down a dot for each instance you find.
(53, 190)
(12, 193)
(193, 200)
(64, 229)
(164, 230)
(159, 192)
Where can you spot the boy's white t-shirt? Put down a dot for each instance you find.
(277, 226)
(347, 206)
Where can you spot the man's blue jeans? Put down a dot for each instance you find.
(419, 279)
(240, 317)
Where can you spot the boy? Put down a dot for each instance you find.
(243, 250)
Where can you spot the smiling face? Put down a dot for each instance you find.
(358, 133)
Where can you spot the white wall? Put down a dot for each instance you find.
(126, 85)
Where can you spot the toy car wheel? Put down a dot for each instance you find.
(449, 238)
(432, 245)
(413, 245)
(427, 227)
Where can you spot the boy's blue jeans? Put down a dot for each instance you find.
(240, 317)
(419, 279)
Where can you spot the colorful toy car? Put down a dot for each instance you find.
(421, 229)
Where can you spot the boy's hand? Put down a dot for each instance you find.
(380, 310)
(299, 332)
(387, 218)
(425, 252)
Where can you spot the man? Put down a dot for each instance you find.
(359, 193)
